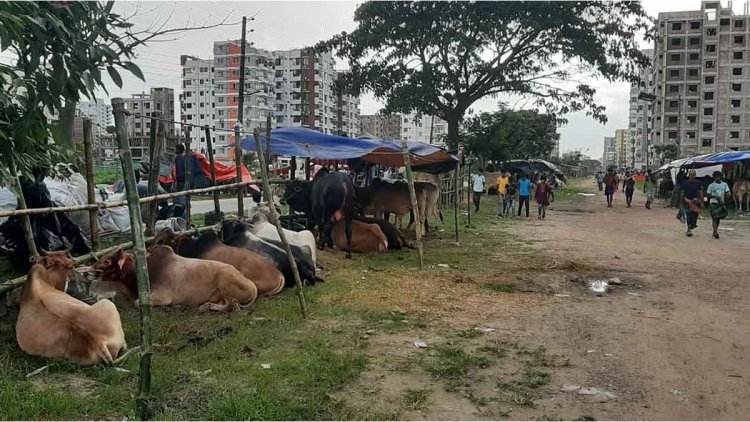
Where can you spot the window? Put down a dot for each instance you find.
(710, 48)
(137, 125)
(724, 22)
(692, 72)
(694, 56)
(694, 40)
(708, 95)
(736, 103)
(695, 25)
(739, 23)
(674, 89)
(736, 71)
(188, 83)
(674, 57)
(147, 106)
(692, 119)
(676, 26)
(672, 119)
(692, 88)
(737, 87)
(708, 127)
(706, 142)
(737, 55)
(708, 80)
(674, 73)
(734, 119)
(690, 135)
(676, 42)
(734, 135)
(710, 64)
(739, 39)
(711, 32)
(673, 104)
(708, 111)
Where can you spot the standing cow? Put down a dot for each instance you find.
(330, 197)
(382, 198)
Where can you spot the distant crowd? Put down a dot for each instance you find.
(511, 192)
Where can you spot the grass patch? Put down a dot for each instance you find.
(416, 399)
(454, 362)
(502, 288)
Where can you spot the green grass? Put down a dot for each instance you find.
(454, 362)
(502, 288)
(417, 399)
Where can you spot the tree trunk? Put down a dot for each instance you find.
(67, 118)
(453, 126)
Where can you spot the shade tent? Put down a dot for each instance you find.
(308, 143)
(718, 158)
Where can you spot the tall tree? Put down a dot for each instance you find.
(439, 58)
(510, 134)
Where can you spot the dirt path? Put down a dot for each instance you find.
(674, 342)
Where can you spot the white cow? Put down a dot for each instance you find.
(262, 227)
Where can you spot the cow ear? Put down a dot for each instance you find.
(121, 261)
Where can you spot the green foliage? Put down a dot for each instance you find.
(439, 58)
(58, 50)
(510, 134)
(248, 159)
(667, 153)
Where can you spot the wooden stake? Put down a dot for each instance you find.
(238, 166)
(210, 146)
(139, 249)
(268, 145)
(240, 119)
(188, 172)
(155, 143)
(277, 223)
(469, 193)
(457, 198)
(88, 154)
(28, 233)
(414, 205)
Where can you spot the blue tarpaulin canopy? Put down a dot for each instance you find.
(308, 143)
(717, 158)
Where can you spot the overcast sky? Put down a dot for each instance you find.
(288, 25)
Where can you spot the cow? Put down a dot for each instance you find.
(53, 324)
(234, 232)
(396, 239)
(741, 194)
(179, 281)
(268, 280)
(364, 237)
(330, 197)
(261, 227)
(382, 198)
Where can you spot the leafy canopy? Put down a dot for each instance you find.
(509, 134)
(60, 50)
(438, 58)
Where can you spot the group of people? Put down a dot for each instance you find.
(610, 183)
(511, 191)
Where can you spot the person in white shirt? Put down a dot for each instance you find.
(717, 193)
(478, 188)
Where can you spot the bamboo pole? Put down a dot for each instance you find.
(307, 169)
(457, 199)
(88, 153)
(139, 246)
(238, 167)
(188, 171)
(292, 176)
(240, 118)
(268, 139)
(277, 223)
(28, 233)
(155, 143)
(209, 144)
(414, 205)
(469, 193)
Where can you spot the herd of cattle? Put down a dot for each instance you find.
(222, 270)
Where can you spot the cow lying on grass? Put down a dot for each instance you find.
(396, 239)
(53, 324)
(364, 237)
(261, 227)
(234, 232)
(207, 246)
(178, 281)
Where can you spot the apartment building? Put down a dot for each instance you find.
(638, 116)
(623, 151)
(609, 158)
(701, 80)
(100, 114)
(196, 100)
(138, 123)
(381, 126)
(410, 127)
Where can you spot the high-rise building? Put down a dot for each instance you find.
(138, 122)
(623, 152)
(639, 113)
(609, 158)
(410, 127)
(196, 100)
(100, 114)
(702, 80)
(381, 126)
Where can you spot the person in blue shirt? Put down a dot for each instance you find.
(524, 191)
(478, 188)
(717, 193)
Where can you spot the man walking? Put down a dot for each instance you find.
(510, 197)
(717, 192)
(628, 185)
(649, 188)
(599, 179)
(692, 196)
(541, 195)
(524, 191)
(478, 188)
(502, 191)
(610, 186)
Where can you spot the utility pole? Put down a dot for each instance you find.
(240, 115)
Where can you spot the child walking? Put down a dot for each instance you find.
(542, 196)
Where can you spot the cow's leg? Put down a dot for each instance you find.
(411, 219)
(222, 305)
(348, 229)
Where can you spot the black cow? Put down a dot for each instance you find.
(236, 233)
(329, 197)
(396, 239)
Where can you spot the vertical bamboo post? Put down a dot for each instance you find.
(28, 233)
(277, 223)
(88, 155)
(139, 248)
(238, 165)
(469, 194)
(457, 198)
(268, 139)
(292, 177)
(155, 143)
(188, 173)
(307, 169)
(210, 147)
(414, 206)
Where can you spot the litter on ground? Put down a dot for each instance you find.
(420, 344)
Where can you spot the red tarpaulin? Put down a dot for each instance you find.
(224, 172)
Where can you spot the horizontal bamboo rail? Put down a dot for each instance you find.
(121, 203)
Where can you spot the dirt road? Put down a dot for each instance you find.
(674, 341)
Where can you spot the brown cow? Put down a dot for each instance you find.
(56, 325)
(365, 237)
(178, 281)
(263, 273)
(382, 198)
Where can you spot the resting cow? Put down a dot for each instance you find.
(268, 280)
(53, 324)
(262, 228)
(330, 197)
(237, 233)
(396, 239)
(365, 237)
(179, 281)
